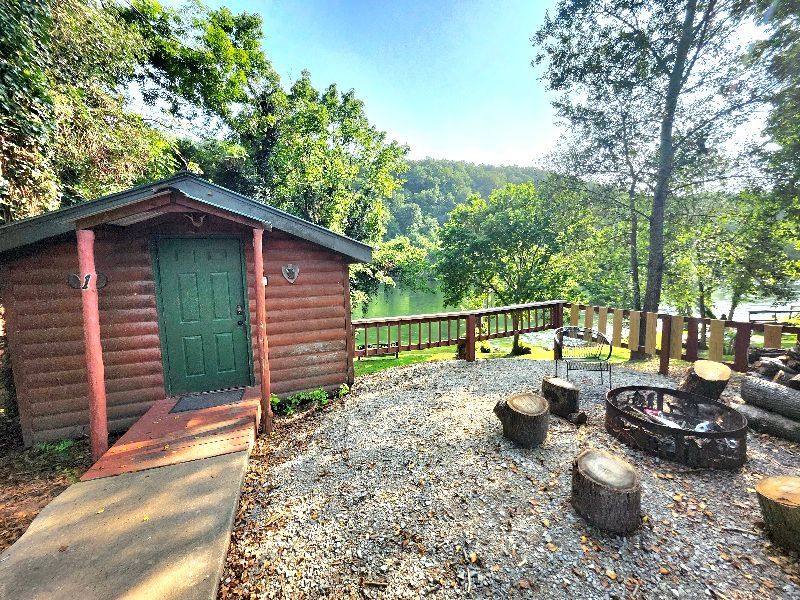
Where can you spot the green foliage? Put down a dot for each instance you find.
(396, 262)
(289, 405)
(344, 389)
(432, 188)
(781, 53)
(513, 245)
(26, 184)
(8, 395)
(657, 88)
(197, 57)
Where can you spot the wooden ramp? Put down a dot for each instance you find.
(161, 438)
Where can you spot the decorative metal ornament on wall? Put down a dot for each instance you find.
(290, 272)
(76, 282)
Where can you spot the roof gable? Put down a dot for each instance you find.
(55, 223)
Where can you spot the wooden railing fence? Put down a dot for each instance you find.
(391, 335)
(683, 337)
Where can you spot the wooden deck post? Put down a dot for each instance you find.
(95, 371)
(741, 347)
(470, 343)
(261, 330)
(666, 336)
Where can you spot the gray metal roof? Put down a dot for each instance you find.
(58, 222)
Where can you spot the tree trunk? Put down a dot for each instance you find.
(666, 155)
(606, 491)
(525, 419)
(634, 240)
(764, 421)
(515, 349)
(562, 395)
(779, 498)
(706, 378)
(772, 396)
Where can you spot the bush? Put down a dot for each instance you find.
(8, 396)
(288, 405)
(523, 349)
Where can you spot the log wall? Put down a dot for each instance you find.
(307, 324)
(307, 321)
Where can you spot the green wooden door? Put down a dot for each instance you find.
(203, 313)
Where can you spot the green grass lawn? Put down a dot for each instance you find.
(500, 349)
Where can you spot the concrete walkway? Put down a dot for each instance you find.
(152, 519)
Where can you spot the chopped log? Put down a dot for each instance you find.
(706, 378)
(765, 421)
(784, 378)
(755, 354)
(779, 498)
(563, 396)
(793, 383)
(525, 418)
(606, 491)
(770, 366)
(772, 396)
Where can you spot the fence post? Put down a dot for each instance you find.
(691, 338)
(741, 347)
(666, 335)
(470, 349)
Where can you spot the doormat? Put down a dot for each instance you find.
(207, 400)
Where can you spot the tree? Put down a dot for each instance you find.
(781, 53)
(198, 59)
(680, 61)
(513, 245)
(27, 185)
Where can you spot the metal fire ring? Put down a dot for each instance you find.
(723, 448)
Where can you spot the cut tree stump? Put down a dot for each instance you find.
(765, 421)
(606, 491)
(525, 418)
(706, 378)
(779, 498)
(562, 395)
(772, 396)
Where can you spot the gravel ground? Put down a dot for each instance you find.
(407, 488)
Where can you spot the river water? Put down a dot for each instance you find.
(394, 302)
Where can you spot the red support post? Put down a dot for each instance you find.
(261, 330)
(470, 354)
(741, 347)
(666, 335)
(95, 371)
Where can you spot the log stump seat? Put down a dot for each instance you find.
(779, 499)
(525, 418)
(606, 491)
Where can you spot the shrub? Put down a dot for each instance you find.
(288, 405)
(523, 349)
(344, 389)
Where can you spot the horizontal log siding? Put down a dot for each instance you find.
(306, 324)
(46, 334)
(307, 321)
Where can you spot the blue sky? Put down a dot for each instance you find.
(450, 79)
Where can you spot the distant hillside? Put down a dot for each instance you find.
(433, 187)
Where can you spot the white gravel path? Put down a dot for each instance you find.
(407, 488)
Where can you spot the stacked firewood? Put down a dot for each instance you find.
(771, 391)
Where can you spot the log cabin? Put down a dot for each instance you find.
(170, 288)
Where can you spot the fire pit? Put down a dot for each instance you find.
(678, 426)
